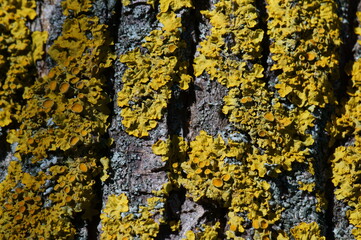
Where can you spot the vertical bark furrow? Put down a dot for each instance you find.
(228, 119)
(345, 139)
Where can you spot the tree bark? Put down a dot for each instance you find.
(180, 119)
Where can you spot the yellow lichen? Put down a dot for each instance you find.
(234, 48)
(147, 81)
(19, 51)
(76, 7)
(43, 203)
(307, 63)
(23, 214)
(206, 175)
(105, 163)
(64, 122)
(307, 231)
(207, 232)
(346, 173)
(118, 223)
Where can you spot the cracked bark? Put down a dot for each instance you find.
(135, 170)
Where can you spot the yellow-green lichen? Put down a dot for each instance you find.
(31, 208)
(118, 223)
(147, 82)
(48, 186)
(105, 163)
(19, 50)
(76, 7)
(307, 231)
(277, 119)
(207, 232)
(345, 161)
(234, 48)
(216, 169)
(304, 40)
(67, 108)
(174, 152)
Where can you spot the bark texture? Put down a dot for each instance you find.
(180, 119)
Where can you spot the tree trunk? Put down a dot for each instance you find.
(180, 119)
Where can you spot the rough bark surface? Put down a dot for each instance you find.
(167, 119)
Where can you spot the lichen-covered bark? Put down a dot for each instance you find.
(180, 119)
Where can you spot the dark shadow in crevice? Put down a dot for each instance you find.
(178, 111)
(103, 148)
(96, 208)
(4, 151)
(179, 106)
(173, 207)
(347, 11)
(215, 212)
(323, 170)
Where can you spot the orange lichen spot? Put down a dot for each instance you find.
(198, 171)
(64, 87)
(311, 56)
(74, 140)
(217, 182)
(26, 199)
(67, 189)
(30, 140)
(84, 132)
(172, 47)
(22, 209)
(233, 227)
(8, 206)
(31, 211)
(19, 190)
(195, 160)
(52, 85)
(68, 198)
(80, 85)
(246, 100)
(77, 107)
(51, 75)
(61, 169)
(12, 86)
(262, 133)
(321, 30)
(255, 224)
(207, 171)
(37, 199)
(74, 80)
(83, 167)
(18, 217)
(48, 103)
(263, 223)
(72, 178)
(202, 164)
(62, 184)
(75, 70)
(269, 116)
(226, 177)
